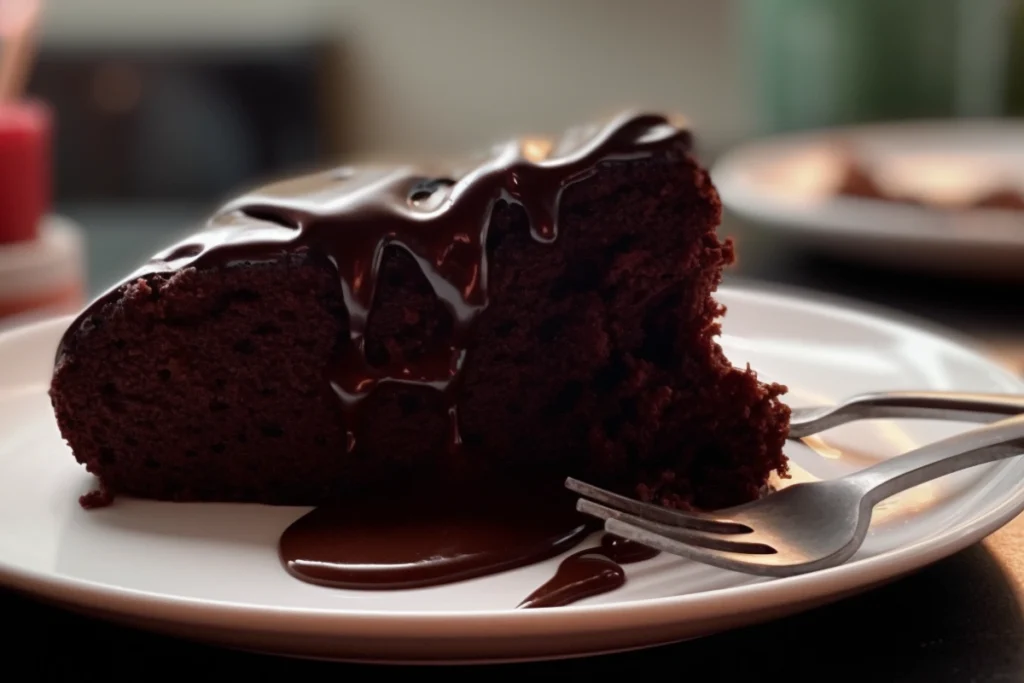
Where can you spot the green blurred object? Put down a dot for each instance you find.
(1015, 61)
(816, 63)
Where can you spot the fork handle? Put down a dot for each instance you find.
(935, 405)
(995, 441)
(948, 405)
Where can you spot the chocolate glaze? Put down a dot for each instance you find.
(589, 572)
(439, 216)
(429, 539)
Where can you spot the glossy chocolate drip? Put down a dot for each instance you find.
(438, 216)
(589, 572)
(429, 539)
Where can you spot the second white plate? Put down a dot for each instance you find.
(785, 185)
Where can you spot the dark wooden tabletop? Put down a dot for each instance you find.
(961, 619)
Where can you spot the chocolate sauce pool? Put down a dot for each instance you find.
(430, 540)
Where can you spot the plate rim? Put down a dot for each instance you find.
(759, 596)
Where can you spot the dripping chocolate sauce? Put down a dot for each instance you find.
(441, 218)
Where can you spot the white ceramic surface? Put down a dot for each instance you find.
(54, 261)
(210, 572)
(785, 184)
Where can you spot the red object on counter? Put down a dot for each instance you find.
(24, 169)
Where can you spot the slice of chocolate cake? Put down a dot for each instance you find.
(543, 311)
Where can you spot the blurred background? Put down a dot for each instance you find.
(160, 110)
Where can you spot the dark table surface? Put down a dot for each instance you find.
(961, 619)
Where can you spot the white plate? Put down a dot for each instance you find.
(210, 572)
(785, 184)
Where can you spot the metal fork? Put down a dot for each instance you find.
(804, 527)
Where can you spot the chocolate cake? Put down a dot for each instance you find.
(540, 311)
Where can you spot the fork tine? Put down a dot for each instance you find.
(723, 559)
(693, 537)
(655, 512)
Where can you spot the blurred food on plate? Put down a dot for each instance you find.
(933, 181)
